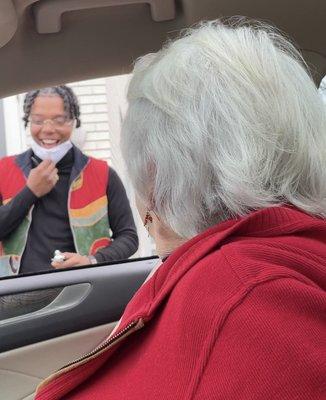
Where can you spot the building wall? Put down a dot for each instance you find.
(103, 105)
(93, 101)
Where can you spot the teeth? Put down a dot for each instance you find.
(49, 141)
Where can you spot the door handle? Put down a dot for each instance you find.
(70, 297)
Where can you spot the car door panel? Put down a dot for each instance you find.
(87, 297)
(21, 370)
(37, 336)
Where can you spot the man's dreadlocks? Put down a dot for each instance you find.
(69, 98)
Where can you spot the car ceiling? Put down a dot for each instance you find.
(45, 42)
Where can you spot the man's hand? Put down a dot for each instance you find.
(71, 260)
(43, 178)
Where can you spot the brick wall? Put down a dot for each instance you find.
(94, 116)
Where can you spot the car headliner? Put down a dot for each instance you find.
(100, 38)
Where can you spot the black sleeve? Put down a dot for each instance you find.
(13, 213)
(125, 239)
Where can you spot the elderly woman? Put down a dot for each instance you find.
(225, 145)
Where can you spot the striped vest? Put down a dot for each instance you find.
(87, 209)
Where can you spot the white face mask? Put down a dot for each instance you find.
(55, 154)
(78, 137)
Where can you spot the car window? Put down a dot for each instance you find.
(102, 105)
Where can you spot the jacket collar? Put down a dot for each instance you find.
(24, 162)
(80, 162)
(270, 222)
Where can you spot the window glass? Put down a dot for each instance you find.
(102, 106)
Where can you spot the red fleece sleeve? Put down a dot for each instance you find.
(272, 347)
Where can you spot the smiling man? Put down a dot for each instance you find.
(55, 197)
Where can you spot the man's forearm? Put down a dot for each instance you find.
(124, 246)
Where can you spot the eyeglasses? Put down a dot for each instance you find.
(57, 122)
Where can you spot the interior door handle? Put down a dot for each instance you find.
(69, 297)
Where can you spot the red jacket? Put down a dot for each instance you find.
(238, 312)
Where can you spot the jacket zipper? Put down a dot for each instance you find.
(106, 343)
(131, 327)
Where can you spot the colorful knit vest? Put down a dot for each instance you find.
(87, 209)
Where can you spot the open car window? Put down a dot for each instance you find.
(102, 107)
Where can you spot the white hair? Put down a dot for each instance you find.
(223, 121)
